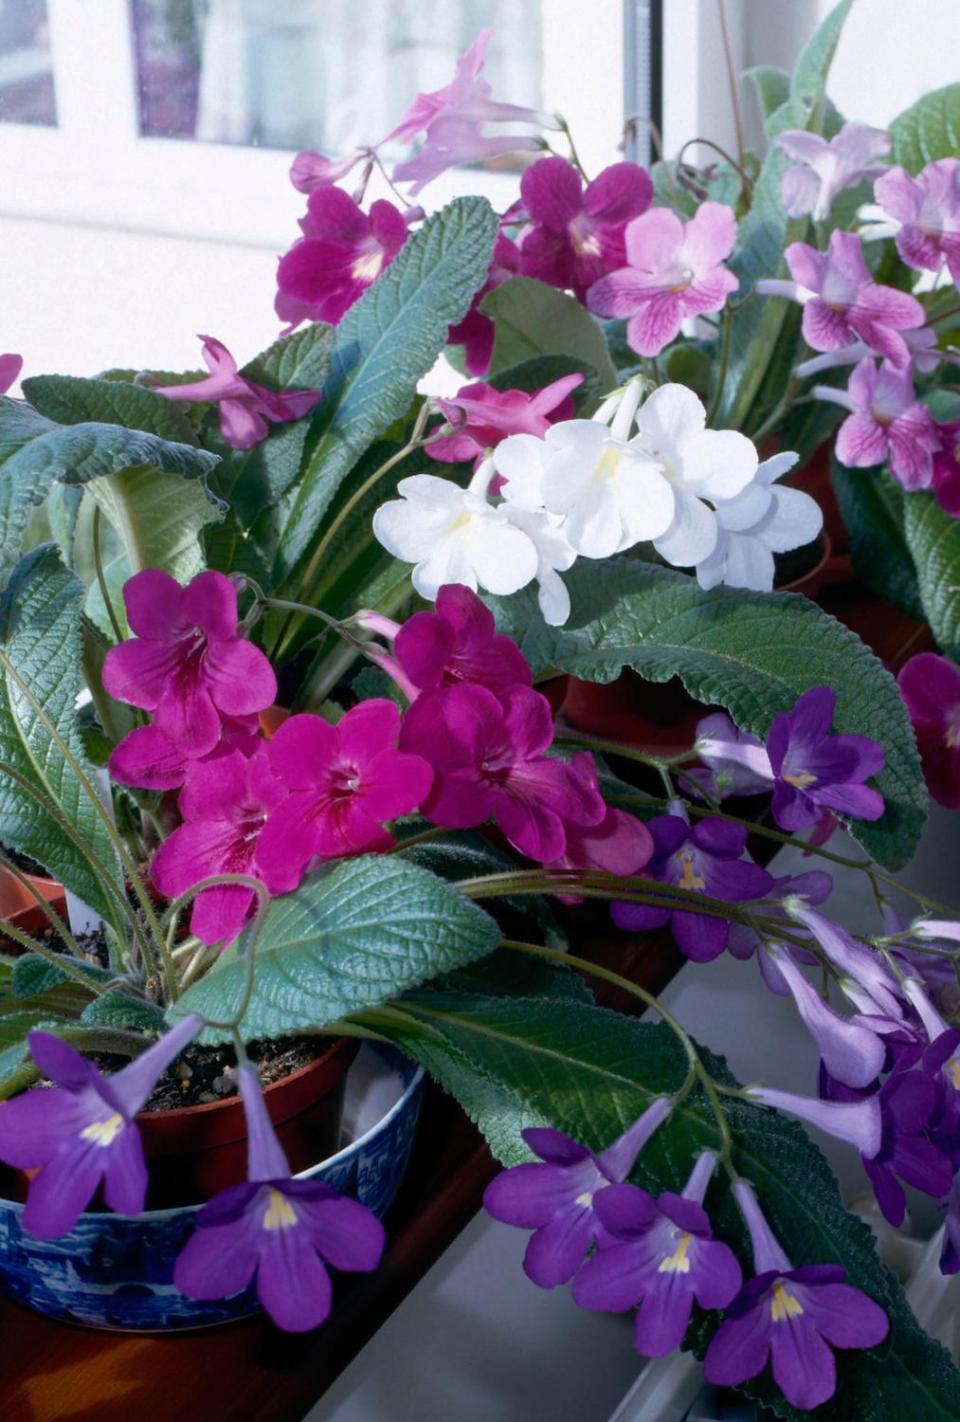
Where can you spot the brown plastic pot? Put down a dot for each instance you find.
(19, 907)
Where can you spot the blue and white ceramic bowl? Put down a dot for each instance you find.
(116, 1271)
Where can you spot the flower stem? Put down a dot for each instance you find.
(60, 961)
(574, 155)
(46, 908)
(725, 337)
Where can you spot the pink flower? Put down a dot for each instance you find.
(928, 209)
(450, 120)
(620, 844)
(841, 301)
(457, 643)
(577, 233)
(823, 167)
(187, 663)
(675, 269)
(345, 781)
(488, 755)
(946, 468)
(476, 332)
(225, 805)
(930, 687)
(482, 417)
(10, 368)
(147, 759)
(245, 406)
(887, 421)
(342, 252)
(311, 170)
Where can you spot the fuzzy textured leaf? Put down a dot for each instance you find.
(933, 538)
(928, 129)
(533, 319)
(873, 507)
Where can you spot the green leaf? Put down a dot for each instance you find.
(590, 1072)
(17, 1070)
(872, 505)
(933, 538)
(299, 361)
(40, 647)
(772, 87)
(808, 86)
(33, 975)
(736, 649)
(70, 400)
(928, 129)
(35, 452)
(533, 319)
(344, 941)
(387, 342)
(119, 1009)
(538, 371)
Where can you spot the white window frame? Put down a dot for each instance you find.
(95, 168)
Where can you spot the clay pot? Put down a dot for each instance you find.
(19, 907)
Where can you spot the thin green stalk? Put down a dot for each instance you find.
(574, 155)
(423, 837)
(725, 337)
(59, 960)
(257, 887)
(101, 579)
(592, 884)
(47, 908)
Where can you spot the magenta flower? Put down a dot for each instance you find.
(927, 208)
(10, 368)
(930, 687)
(342, 252)
(659, 1255)
(481, 417)
(577, 233)
(488, 756)
(791, 1318)
(886, 422)
(283, 1232)
(451, 119)
(344, 782)
(311, 170)
(841, 301)
(822, 168)
(706, 858)
(83, 1131)
(187, 663)
(946, 468)
(225, 804)
(674, 270)
(816, 771)
(459, 642)
(556, 1199)
(475, 331)
(620, 844)
(245, 406)
(147, 759)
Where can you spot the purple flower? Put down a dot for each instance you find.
(674, 270)
(737, 763)
(82, 1131)
(823, 167)
(791, 1317)
(850, 1051)
(706, 859)
(950, 1255)
(927, 208)
(946, 468)
(815, 771)
(925, 354)
(841, 301)
(658, 1254)
(284, 1231)
(10, 368)
(577, 233)
(853, 961)
(814, 888)
(556, 1198)
(475, 331)
(481, 417)
(342, 251)
(930, 687)
(245, 406)
(886, 423)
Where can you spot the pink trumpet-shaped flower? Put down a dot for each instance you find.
(577, 233)
(822, 167)
(928, 210)
(342, 252)
(10, 368)
(886, 423)
(245, 406)
(481, 417)
(310, 171)
(674, 270)
(147, 759)
(475, 331)
(187, 664)
(344, 782)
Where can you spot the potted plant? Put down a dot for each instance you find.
(383, 858)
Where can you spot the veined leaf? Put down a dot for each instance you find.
(71, 400)
(928, 129)
(533, 319)
(933, 538)
(874, 510)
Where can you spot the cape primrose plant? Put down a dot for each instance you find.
(274, 646)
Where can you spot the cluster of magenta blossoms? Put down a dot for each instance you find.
(930, 687)
(625, 1251)
(80, 1134)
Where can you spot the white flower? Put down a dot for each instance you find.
(761, 521)
(454, 535)
(699, 464)
(823, 168)
(554, 554)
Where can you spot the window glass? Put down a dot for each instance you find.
(26, 69)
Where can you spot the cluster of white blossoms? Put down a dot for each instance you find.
(637, 472)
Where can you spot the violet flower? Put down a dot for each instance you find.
(149, 760)
(10, 368)
(814, 887)
(925, 354)
(187, 664)
(946, 468)
(737, 763)
(927, 209)
(706, 858)
(577, 233)
(343, 250)
(674, 270)
(950, 1254)
(480, 417)
(83, 1131)
(823, 168)
(658, 1254)
(850, 1051)
(344, 782)
(245, 406)
(791, 1318)
(816, 771)
(459, 642)
(225, 805)
(886, 423)
(841, 301)
(488, 755)
(556, 1199)
(476, 331)
(282, 1231)
(930, 687)
(853, 962)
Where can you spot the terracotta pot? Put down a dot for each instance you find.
(19, 907)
